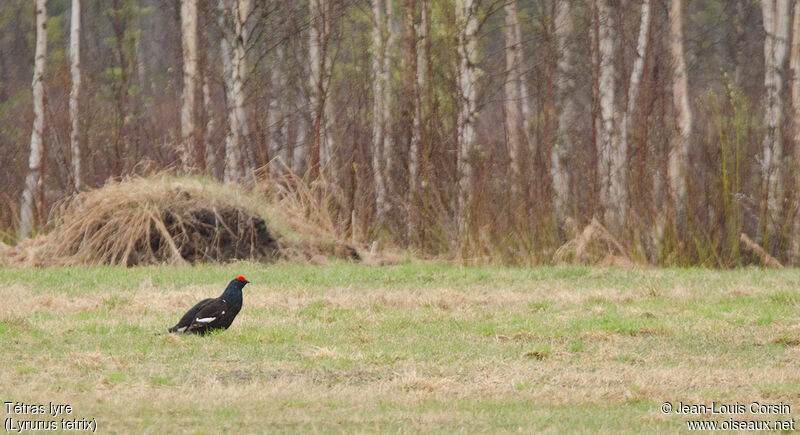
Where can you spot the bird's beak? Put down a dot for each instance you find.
(246, 282)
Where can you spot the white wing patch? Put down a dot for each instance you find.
(205, 319)
(223, 312)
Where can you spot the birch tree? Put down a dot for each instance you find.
(409, 119)
(634, 84)
(678, 157)
(234, 63)
(417, 137)
(74, 94)
(319, 38)
(189, 49)
(566, 116)
(524, 95)
(467, 52)
(611, 152)
(277, 111)
(382, 148)
(211, 125)
(776, 28)
(233, 137)
(209, 143)
(512, 106)
(242, 11)
(33, 181)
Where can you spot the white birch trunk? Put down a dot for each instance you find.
(74, 94)
(33, 181)
(211, 125)
(329, 148)
(776, 27)
(467, 24)
(300, 148)
(563, 146)
(512, 106)
(322, 113)
(389, 147)
(612, 153)
(234, 65)
(232, 171)
(636, 75)
(189, 49)
(419, 116)
(525, 103)
(315, 81)
(329, 145)
(678, 157)
(277, 143)
(380, 51)
(242, 10)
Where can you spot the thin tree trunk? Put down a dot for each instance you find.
(242, 10)
(418, 135)
(234, 63)
(319, 35)
(208, 123)
(794, 61)
(636, 75)
(563, 147)
(611, 152)
(467, 22)
(301, 146)
(211, 125)
(513, 110)
(74, 94)
(277, 113)
(776, 27)
(524, 95)
(232, 172)
(189, 49)
(380, 51)
(389, 144)
(316, 84)
(120, 163)
(33, 181)
(678, 158)
(409, 114)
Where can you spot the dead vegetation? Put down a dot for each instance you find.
(766, 259)
(593, 245)
(164, 219)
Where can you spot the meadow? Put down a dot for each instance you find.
(408, 348)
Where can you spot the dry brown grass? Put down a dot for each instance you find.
(593, 245)
(158, 219)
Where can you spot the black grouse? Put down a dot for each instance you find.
(210, 314)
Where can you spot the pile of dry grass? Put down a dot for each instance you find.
(593, 245)
(153, 220)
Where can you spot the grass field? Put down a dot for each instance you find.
(403, 348)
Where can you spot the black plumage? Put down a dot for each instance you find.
(213, 313)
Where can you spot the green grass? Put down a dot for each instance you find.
(412, 347)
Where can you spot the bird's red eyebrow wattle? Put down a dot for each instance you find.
(241, 278)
